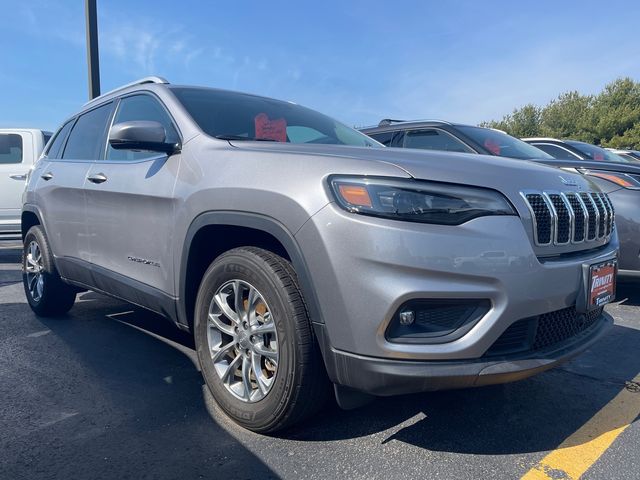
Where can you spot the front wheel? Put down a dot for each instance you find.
(255, 342)
(46, 293)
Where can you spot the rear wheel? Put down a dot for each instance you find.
(46, 293)
(255, 341)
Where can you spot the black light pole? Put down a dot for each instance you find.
(93, 62)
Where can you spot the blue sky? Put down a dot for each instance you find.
(464, 61)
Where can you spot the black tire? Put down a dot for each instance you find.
(300, 386)
(56, 297)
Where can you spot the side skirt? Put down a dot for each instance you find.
(92, 277)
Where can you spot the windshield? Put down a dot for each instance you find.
(596, 153)
(499, 143)
(240, 116)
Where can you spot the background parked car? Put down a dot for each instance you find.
(618, 177)
(574, 149)
(631, 155)
(614, 175)
(452, 137)
(19, 149)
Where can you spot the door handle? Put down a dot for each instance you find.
(18, 176)
(97, 178)
(46, 176)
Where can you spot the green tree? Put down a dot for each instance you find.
(610, 118)
(616, 109)
(568, 117)
(629, 139)
(523, 122)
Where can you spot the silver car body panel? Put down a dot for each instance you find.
(138, 223)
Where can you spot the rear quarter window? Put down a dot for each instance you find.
(55, 149)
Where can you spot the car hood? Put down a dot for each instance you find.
(594, 165)
(509, 176)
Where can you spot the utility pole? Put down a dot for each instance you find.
(93, 61)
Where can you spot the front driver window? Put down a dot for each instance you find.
(141, 107)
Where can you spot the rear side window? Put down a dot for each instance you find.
(627, 156)
(384, 137)
(10, 148)
(596, 153)
(46, 136)
(434, 140)
(55, 149)
(88, 136)
(141, 107)
(555, 151)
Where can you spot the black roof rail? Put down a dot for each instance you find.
(388, 121)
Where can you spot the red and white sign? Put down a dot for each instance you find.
(602, 284)
(270, 129)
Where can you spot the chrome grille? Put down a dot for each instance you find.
(580, 216)
(561, 218)
(592, 216)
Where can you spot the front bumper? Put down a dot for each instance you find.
(384, 377)
(365, 268)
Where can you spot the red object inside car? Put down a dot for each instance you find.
(268, 129)
(492, 146)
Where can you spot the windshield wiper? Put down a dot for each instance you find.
(240, 137)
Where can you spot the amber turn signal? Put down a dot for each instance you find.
(617, 179)
(356, 195)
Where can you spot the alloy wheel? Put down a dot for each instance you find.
(243, 341)
(34, 268)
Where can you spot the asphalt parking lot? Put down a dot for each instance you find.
(112, 391)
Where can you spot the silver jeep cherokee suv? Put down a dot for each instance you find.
(299, 251)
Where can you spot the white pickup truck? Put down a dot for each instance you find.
(20, 148)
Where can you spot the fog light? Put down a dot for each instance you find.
(407, 317)
(435, 320)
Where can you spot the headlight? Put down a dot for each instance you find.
(622, 179)
(417, 201)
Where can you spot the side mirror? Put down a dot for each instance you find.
(141, 135)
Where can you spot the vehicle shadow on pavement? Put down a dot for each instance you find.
(10, 256)
(533, 415)
(10, 263)
(148, 402)
(104, 400)
(628, 293)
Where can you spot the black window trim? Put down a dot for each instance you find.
(383, 132)
(396, 135)
(138, 93)
(71, 121)
(422, 129)
(398, 138)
